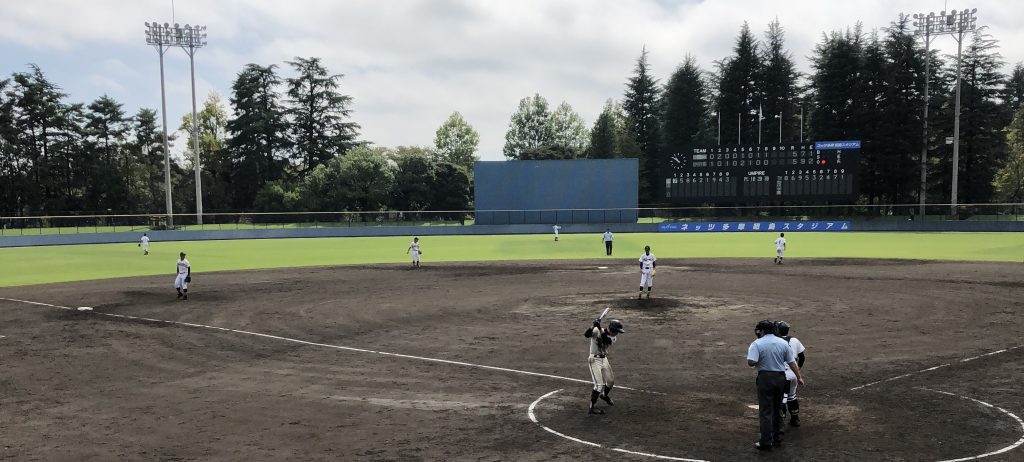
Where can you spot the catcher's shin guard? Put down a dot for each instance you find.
(794, 412)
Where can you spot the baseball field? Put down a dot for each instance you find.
(335, 349)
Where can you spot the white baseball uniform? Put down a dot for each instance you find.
(646, 266)
(797, 347)
(555, 228)
(414, 249)
(145, 243)
(183, 269)
(780, 246)
(600, 369)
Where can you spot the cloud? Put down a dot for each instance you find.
(409, 63)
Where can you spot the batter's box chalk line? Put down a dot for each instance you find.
(533, 417)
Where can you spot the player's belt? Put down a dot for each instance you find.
(771, 372)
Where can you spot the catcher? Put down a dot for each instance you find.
(184, 277)
(648, 263)
(600, 368)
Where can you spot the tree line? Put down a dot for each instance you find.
(865, 85)
(287, 143)
(285, 139)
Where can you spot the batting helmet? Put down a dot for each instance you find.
(782, 327)
(616, 326)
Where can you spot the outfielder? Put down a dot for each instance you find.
(780, 248)
(184, 277)
(555, 228)
(790, 400)
(414, 248)
(597, 361)
(144, 243)
(648, 263)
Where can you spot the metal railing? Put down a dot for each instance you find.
(75, 224)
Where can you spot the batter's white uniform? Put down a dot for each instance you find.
(797, 347)
(145, 243)
(780, 246)
(646, 266)
(414, 249)
(600, 368)
(183, 267)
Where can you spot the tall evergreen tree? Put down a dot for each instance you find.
(528, 128)
(838, 62)
(109, 181)
(319, 127)
(982, 141)
(684, 106)
(739, 90)
(641, 105)
(258, 144)
(1013, 96)
(604, 134)
(778, 88)
(40, 117)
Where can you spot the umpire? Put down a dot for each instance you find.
(770, 355)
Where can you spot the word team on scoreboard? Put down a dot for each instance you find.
(823, 171)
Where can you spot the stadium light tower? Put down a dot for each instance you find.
(954, 23)
(159, 36)
(190, 38)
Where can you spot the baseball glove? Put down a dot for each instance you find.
(188, 278)
(139, 244)
(653, 271)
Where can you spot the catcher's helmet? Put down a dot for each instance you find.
(782, 327)
(616, 326)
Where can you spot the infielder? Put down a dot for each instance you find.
(648, 262)
(555, 228)
(600, 368)
(780, 248)
(790, 400)
(144, 243)
(414, 248)
(184, 277)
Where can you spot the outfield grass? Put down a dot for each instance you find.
(34, 265)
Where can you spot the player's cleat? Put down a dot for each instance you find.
(595, 411)
(607, 399)
(648, 295)
(794, 421)
(185, 297)
(179, 295)
(762, 447)
(640, 296)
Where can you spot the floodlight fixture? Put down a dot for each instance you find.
(956, 24)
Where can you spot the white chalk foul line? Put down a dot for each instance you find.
(327, 345)
(1004, 411)
(533, 417)
(940, 366)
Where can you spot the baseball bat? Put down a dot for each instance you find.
(603, 313)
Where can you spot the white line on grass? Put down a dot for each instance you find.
(326, 345)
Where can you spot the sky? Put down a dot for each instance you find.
(409, 64)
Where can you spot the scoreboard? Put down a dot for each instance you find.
(820, 171)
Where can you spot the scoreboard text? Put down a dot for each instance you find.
(825, 170)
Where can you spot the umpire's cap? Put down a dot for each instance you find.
(782, 327)
(616, 326)
(766, 327)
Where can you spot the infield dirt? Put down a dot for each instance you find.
(79, 385)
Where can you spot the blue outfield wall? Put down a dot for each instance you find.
(577, 228)
(556, 191)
